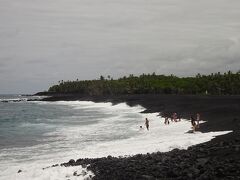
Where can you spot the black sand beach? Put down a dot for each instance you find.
(216, 159)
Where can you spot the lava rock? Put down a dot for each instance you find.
(147, 177)
(71, 161)
(202, 161)
(19, 170)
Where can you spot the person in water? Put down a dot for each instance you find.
(166, 120)
(147, 123)
(140, 128)
(198, 119)
(174, 117)
(193, 122)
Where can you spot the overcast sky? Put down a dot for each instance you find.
(43, 41)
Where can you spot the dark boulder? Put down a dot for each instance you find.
(19, 170)
(71, 162)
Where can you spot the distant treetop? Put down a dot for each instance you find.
(214, 84)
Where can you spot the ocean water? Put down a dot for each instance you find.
(36, 134)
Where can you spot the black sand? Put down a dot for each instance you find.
(217, 159)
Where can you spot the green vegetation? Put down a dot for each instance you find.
(214, 84)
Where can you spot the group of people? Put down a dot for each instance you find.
(176, 118)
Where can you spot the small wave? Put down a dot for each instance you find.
(14, 100)
(90, 106)
(37, 125)
(21, 98)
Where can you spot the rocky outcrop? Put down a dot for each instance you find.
(205, 161)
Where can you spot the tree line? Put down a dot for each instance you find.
(214, 84)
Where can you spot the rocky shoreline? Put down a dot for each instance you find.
(216, 159)
(202, 162)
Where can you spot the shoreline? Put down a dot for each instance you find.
(221, 113)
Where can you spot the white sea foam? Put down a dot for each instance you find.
(117, 134)
(21, 98)
(51, 173)
(13, 99)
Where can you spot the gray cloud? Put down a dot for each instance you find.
(2, 65)
(42, 42)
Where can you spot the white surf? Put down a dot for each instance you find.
(115, 132)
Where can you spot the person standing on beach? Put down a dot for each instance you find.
(174, 117)
(147, 123)
(193, 123)
(198, 119)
